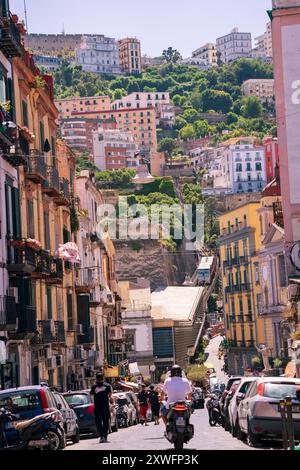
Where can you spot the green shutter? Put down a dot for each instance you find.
(42, 135)
(47, 231)
(25, 113)
(30, 221)
(49, 303)
(16, 214)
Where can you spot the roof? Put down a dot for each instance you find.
(175, 303)
(206, 262)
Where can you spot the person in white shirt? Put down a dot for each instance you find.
(176, 388)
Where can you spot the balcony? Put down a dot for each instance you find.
(234, 228)
(115, 333)
(87, 337)
(49, 332)
(10, 39)
(36, 169)
(63, 199)
(51, 185)
(8, 313)
(56, 272)
(21, 260)
(43, 269)
(86, 280)
(26, 323)
(237, 288)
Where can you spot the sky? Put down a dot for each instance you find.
(182, 24)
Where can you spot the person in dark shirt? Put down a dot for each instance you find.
(101, 392)
(155, 404)
(143, 398)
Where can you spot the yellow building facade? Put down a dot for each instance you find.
(239, 244)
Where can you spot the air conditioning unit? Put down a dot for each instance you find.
(14, 292)
(51, 363)
(292, 291)
(79, 329)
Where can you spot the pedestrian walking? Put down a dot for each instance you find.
(155, 404)
(143, 398)
(101, 392)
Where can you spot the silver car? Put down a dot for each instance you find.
(259, 412)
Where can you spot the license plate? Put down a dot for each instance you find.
(180, 421)
(38, 443)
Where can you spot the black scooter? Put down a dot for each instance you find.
(42, 432)
(214, 412)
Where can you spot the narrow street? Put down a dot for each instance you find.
(152, 438)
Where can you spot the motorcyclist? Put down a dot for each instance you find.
(176, 388)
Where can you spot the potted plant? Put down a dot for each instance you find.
(277, 363)
(256, 363)
(33, 244)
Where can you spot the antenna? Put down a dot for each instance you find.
(63, 30)
(26, 19)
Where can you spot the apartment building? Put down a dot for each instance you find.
(234, 45)
(50, 63)
(130, 55)
(98, 54)
(271, 156)
(114, 149)
(239, 243)
(78, 132)
(141, 122)
(165, 111)
(243, 167)
(67, 106)
(263, 88)
(207, 54)
(263, 43)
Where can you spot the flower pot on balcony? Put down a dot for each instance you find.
(16, 243)
(34, 244)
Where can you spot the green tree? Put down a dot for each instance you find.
(119, 93)
(167, 145)
(187, 132)
(252, 107)
(196, 100)
(167, 187)
(171, 55)
(201, 128)
(217, 100)
(190, 115)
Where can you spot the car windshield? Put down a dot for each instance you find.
(121, 401)
(77, 400)
(280, 390)
(21, 401)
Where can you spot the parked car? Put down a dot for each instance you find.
(29, 402)
(225, 409)
(198, 398)
(259, 412)
(81, 403)
(70, 420)
(134, 400)
(234, 403)
(225, 393)
(124, 403)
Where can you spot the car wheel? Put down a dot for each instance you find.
(252, 439)
(55, 439)
(76, 438)
(240, 435)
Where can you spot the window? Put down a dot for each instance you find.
(70, 311)
(233, 309)
(42, 135)
(241, 306)
(30, 219)
(49, 302)
(248, 167)
(25, 113)
(258, 167)
(282, 271)
(47, 231)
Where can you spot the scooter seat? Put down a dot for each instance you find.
(20, 425)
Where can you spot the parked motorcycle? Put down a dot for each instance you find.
(179, 431)
(42, 432)
(214, 412)
(122, 417)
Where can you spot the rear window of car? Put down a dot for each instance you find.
(77, 400)
(280, 390)
(244, 387)
(122, 401)
(23, 400)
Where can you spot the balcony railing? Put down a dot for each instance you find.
(36, 169)
(234, 228)
(51, 185)
(60, 335)
(49, 332)
(88, 336)
(56, 272)
(10, 39)
(8, 313)
(21, 260)
(86, 279)
(238, 288)
(27, 321)
(229, 263)
(63, 199)
(43, 269)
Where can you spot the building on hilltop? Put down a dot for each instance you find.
(98, 54)
(130, 55)
(263, 88)
(207, 54)
(234, 45)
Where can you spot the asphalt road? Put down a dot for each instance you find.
(152, 438)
